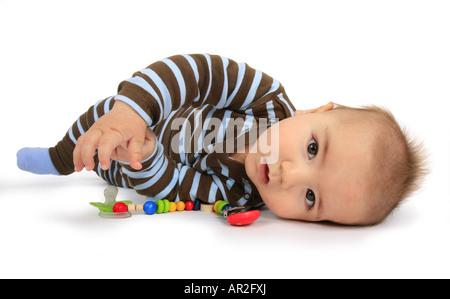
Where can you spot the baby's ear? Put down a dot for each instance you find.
(323, 108)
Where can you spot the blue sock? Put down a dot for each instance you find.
(36, 160)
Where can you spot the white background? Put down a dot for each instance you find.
(59, 57)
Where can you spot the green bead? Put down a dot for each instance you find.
(166, 205)
(220, 206)
(160, 206)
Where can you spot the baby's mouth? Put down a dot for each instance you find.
(264, 172)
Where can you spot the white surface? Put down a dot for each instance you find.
(57, 59)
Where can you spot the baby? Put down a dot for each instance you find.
(203, 126)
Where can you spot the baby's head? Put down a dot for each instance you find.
(339, 164)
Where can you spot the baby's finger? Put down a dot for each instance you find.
(120, 154)
(86, 144)
(106, 145)
(135, 146)
(77, 162)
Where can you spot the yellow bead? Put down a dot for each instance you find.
(180, 206)
(172, 207)
(215, 205)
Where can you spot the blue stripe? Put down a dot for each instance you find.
(242, 201)
(111, 178)
(72, 137)
(270, 110)
(142, 83)
(182, 172)
(182, 132)
(203, 164)
(195, 184)
(124, 183)
(196, 131)
(106, 105)
(208, 59)
(223, 98)
(280, 96)
(223, 126)
(179, 76)
(162, 89)
(240, 78)
(95, 110)
(224, 170)
(154, 179)
(252, 92)
(168, 119)
(193, 66)
(99, 171)
(139, 81)
(205, 127)
(275, 85)
(161, 162)
(230, 183)
(80, 128)
(169, 187)
(219, 185)
(248, 123)
(212, 193)
(157, 151)
(155, 166)
(195, 70)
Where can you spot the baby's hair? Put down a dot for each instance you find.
(400, 162)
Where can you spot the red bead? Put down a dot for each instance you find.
(120, 207)
(189, 205)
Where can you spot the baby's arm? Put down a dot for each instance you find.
(165, 86)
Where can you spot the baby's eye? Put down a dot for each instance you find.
(310, 198)
(313, 148)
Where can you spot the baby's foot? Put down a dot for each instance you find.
(35, 160)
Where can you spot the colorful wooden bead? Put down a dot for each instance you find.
(189, 205)
(149, 207)
(180, 206)
(206, 207)
(220, 205)
(159, 206)
(215, 205)
(166, 203)
(197, 204)
(172, 207)
(120, 207)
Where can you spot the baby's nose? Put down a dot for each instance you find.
(291, 175)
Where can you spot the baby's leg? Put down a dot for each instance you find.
(58, 160)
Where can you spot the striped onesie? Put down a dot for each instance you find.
(201, 108)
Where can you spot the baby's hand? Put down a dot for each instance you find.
(122, 127)
(121, 154)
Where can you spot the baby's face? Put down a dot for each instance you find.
(318, 167)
